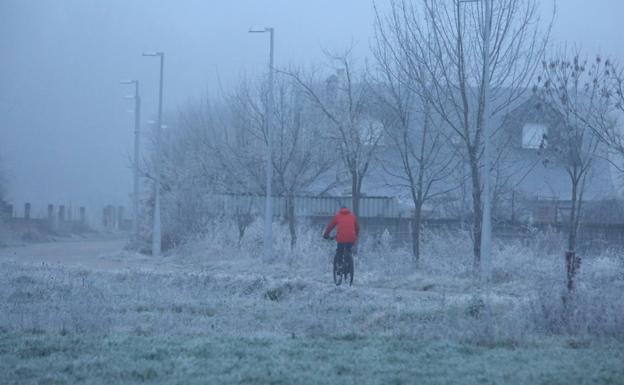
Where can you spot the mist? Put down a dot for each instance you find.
(417, 191)
(66, 131)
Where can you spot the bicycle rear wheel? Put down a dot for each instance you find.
(348, 269)
(337, 271)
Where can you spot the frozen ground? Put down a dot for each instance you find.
(91, 313)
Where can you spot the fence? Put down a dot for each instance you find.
(59, 221)
(306, 206)
(378, 214)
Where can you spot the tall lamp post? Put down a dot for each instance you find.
(486, 225)
(135, 165)
(268, 211)
(156, 231)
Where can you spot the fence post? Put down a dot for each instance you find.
(107, 217)
(61, 213)
(27, 211)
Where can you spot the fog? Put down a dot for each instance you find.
(65, 129)
(423, 190)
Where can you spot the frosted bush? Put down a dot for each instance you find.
(447, 252)
(511, 261)
(603, 269)
(586, 313)
(547, 241)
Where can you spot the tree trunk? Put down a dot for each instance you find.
(477, 211)
(572, 261)
(355, 194)
(416, 233)
(572, 228)
(290, 217)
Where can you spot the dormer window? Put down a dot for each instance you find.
(534, 136)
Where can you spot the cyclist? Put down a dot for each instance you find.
(347, 230)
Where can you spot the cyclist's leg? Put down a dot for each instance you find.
(338, 255)
(340, 252)
(348, 254)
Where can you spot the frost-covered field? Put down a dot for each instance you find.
(213, 312)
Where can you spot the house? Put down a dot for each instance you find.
(540, 191)
(530, 182)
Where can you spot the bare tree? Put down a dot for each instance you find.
(345, 103)
(300, 154)
(419, 155)
(477, 59)
(616, 75)
(567, 88)
(189, 172)
(604, 112)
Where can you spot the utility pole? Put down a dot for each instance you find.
(156, 231)
(268, 211)
(486, 223)
(486, 232)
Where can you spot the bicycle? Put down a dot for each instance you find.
(343, 266)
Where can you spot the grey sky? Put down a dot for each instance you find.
(65, 133)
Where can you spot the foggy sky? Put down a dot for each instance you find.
(65, 130)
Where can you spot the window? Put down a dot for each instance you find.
(534, 136)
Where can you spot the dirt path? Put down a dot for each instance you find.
(92, 253)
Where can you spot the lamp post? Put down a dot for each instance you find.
(156, 231)
(135, 165)
(268, 211)
(486, 224)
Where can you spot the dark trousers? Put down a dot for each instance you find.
(343, 250)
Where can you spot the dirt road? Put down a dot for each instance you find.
(106, 254)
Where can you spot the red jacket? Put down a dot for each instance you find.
(347, 227)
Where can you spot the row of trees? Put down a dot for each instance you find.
(443, 71)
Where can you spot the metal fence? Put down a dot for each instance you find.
(306, 206)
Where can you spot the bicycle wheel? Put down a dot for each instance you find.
(337, 271)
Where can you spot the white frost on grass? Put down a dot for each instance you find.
(213, 309)
(216, 287)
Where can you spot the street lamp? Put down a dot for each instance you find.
(156, 231)
(268, 211)
(486, 225)
(135, 166)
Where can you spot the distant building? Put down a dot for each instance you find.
(529, 185)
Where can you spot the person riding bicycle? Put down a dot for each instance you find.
(347, 230)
